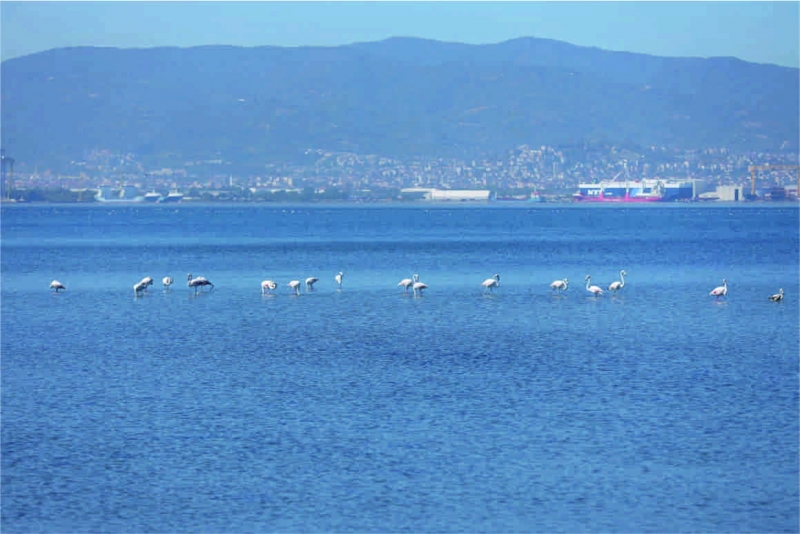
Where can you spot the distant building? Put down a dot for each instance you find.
(445, 195)
(730, 193)
(109, 192)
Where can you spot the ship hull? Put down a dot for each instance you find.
(601, 198)
(634, 191)
(133, 200)
(171, 198)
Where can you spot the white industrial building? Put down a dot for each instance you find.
(445, 195)
(730, 193)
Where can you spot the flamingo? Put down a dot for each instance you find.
(268, 286)
(139, 287)
(777, 297)
(418, 286)
(190, 278)
(310, 281)
(338, 279)
(619, 284)
(197, 282)
(143, 284)
(720, 291)
(58, 286)
(406, 283)
(595, 290)
(491, 283)
(295, 285)
(559, 285)
(167, 281)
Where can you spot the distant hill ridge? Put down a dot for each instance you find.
(401, 98)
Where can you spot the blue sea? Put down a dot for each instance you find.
(367, 409)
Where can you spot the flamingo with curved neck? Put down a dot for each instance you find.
(418, 286)
(595, 290)
(619, 284)
(559, 285)
(720, 291)
(268, 286)
(490, 283)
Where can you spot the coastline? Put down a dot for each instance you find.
(414, 204)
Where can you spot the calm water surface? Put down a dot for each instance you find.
(365, 409)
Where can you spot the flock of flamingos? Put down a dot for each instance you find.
(413, 283)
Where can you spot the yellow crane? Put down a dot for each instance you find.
(755, 168)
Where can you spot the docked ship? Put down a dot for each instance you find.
(124, 194)
(647, 190)
(172, 197)
(152, 196)
(533, 197)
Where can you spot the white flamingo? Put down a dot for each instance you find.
(268, 286)
(139, 287)
(720, 291)
(595, 290)
(58, 286)
(418, 286)
(310, 281)
(406, 283)
(559, 285)
(295, 285)
(777, 297)
(490, 283)
(167, 281)
(619, 284)
(190, 278)
(143, 284)
(198, 282)
(338, 279)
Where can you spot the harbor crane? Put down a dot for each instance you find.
(755, 168)
(7, 169)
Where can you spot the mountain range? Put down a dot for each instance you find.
(398, 98)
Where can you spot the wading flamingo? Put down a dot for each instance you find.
(338, 279)
(720, 291)
(406, 283)
(777, 297)
(197, 282)
(58, 286)
(310, 281)
(295, 285)
(619, 284)
(490, 283)
(418, 286)
(268, 286)
(595, 290)
(140, 287)
(559, 285)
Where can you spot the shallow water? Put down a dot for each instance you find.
(367, 409)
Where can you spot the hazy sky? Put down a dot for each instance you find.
(763, 32)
